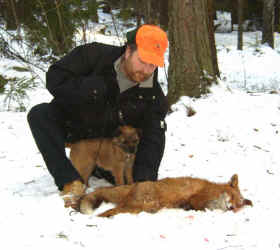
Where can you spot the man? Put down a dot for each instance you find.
(96, 88)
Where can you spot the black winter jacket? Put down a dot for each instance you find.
(85, 89)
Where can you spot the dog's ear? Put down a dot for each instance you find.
(117, 132)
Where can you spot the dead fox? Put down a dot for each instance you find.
(182, 192)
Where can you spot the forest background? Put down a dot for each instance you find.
(37, 33)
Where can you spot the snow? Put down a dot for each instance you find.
(236, 129)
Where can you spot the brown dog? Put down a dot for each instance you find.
(115, 154)
(184, 192)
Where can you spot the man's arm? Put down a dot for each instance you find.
(149, 155)
(152, 144)
(71, 78)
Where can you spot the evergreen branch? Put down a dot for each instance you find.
(7, 51)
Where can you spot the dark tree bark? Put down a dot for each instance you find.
(163, 14)
(138, 12)
(240, 24)
(211, 32)
(193, 59)
(277, 16)
(151, 11)
(268, 22)
(147, 11)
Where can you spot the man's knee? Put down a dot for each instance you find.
(37, 112)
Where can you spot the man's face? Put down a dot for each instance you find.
(135, 69)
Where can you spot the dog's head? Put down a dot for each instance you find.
(127, 138)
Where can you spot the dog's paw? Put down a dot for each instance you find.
(71, 201)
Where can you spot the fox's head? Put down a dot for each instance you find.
(230, 197)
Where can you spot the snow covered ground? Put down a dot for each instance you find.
(233, 131)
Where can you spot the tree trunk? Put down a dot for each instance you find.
(268, 22)
(61, 26)
(193, 60)
(211, 31)
(163, 14)
(240, 25)
(51, 35)
(151, 11)
(147, 11)
(138, 6)
(277, 16)
(123, 4)
(16, 17)
(7, 13)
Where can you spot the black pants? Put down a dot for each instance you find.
(50, 137)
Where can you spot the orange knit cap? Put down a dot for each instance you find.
(151, 43)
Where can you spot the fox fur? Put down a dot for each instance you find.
(182, 192)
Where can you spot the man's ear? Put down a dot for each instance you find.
(127, 52)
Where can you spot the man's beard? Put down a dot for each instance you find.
(135, 76)
(139, 76)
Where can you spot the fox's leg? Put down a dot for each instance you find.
(129, 207)
(204, 201)
(186, 205)
(118, 210)
(197, 202)
(114, 195)
(88, 203)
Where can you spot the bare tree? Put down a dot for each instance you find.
(147, 9)
(268, 22)
(12, 3)
(60, 21)
(193, 58)
(277, 15)
(240, 24)
(163, 13)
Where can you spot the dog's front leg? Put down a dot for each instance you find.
(129, 174)
(118, 172)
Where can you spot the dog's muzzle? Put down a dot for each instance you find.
(130, 149)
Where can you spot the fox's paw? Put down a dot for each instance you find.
(86, 206)
(88, 203)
